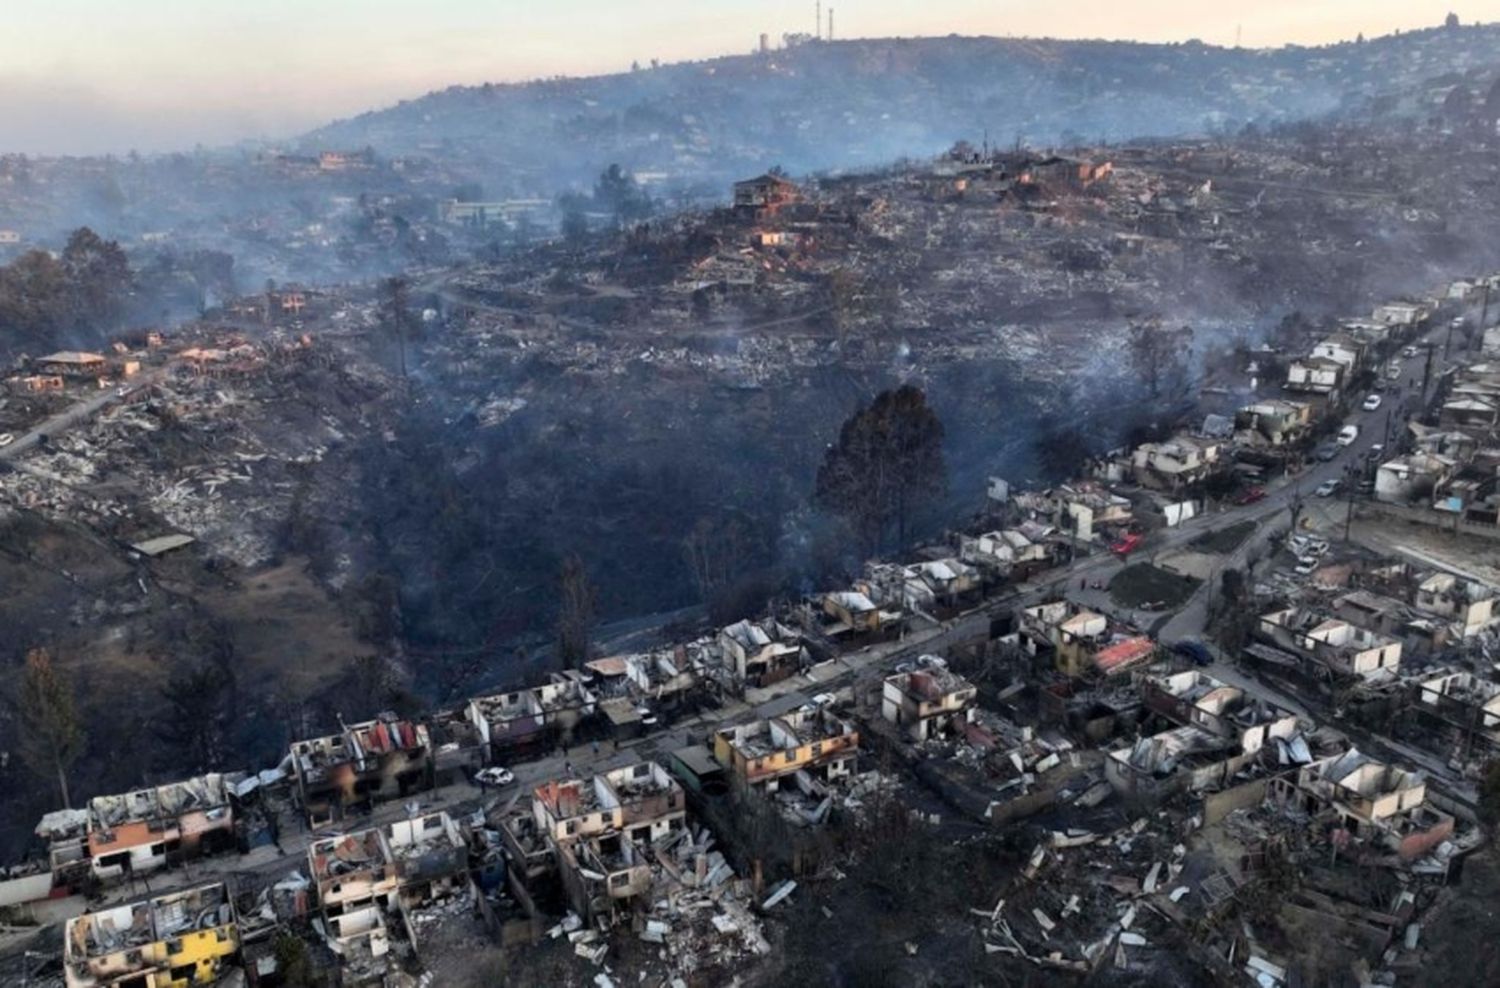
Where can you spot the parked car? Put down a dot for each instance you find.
(1307, 545)
(1126, 545)
(1305, 566)
(1329, 488)
(1251, 496)
(1347, 435)
(1393, 372)
(6, 438)
(1372, 402)
(495, 776)
(1194, 651)
(1410, 351)
(1327, 451)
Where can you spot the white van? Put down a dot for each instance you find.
(1347, 435)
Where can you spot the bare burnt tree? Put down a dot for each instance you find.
(716, 550)
(395, 300)
(51, 731)
(1158, 354)
(577, 601)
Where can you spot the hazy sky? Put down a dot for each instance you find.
(89, 75)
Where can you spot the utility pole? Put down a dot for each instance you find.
(1427, 367)
(1349, 511)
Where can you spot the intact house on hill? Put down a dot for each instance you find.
(142, 831)
(764, 196)
(1374, 806)
(379, 759)
(929, 702)
(73, 363)
(189, 937)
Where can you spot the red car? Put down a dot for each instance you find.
(1126, 544)
(1251, 496)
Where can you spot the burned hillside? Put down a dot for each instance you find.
(410, 491)
(602, 396)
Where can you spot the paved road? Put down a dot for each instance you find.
(79, 412)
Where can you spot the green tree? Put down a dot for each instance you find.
(887, 463)
(51, 735)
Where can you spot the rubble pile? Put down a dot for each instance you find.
(1083, 899)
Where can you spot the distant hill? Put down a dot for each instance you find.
(854, 104)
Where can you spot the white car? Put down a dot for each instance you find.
(1372, 403)
(1347, 435)
(1329, 488)
(495, 776)
(1305, 566)
(1410, 351)
(6, 438)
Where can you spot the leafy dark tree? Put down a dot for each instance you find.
(575, 225)
(887, 463)
(618, 192)
(577, 604)
(1061, 450)
(99, 276)
(294, 966)
(201, 712)
(51, 732)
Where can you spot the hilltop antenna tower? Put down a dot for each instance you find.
(818, 20)
(830, 23)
